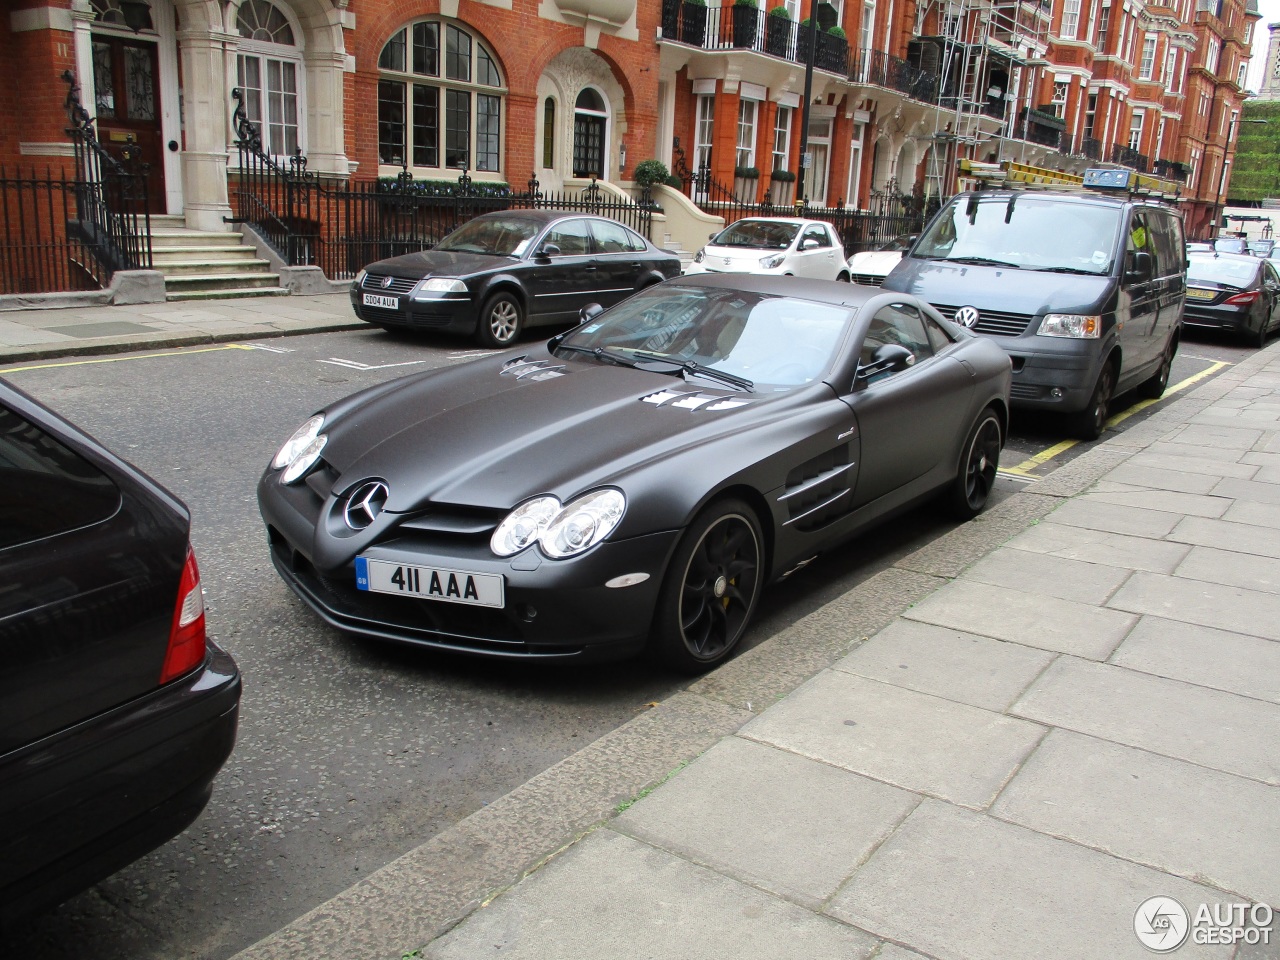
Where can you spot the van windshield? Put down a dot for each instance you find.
(1028, 232)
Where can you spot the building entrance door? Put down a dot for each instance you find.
(126, 81)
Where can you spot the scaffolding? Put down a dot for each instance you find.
(986, 54)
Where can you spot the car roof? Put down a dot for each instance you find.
(822, 291)
(796, 221)
(1223, 255)
(1066, 196)
(542, 216)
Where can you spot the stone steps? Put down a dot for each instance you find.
(206, 264)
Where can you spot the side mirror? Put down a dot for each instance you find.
(549, 250)
(809, 243)
(888, 358)
(1141, 268)
(712, 236)
(589, 312)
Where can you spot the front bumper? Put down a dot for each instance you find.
(81, 804)
(443, 314)
(553, 609)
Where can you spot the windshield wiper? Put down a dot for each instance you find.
(697, 369)
(984, 261)
(600, 353)
(1086, 273)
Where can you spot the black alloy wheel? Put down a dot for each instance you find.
(711, 588)
(1089, 423)
(979, 462)
(501, 320)
(1153, 389)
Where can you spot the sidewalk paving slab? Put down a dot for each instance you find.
(958, 885)
(1117, 549)
(1048, 575)
(1151, 810)
(1196, 601)
(1230, 568)
(1234, 662)
(1222, 731)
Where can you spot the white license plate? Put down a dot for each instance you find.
(387, 303)
(431, 583)
(1194, 293)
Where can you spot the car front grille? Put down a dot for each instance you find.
(994, 323)
(424, 317)
(378, 283)
(868, 279)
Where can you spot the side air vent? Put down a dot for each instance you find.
(522, 368)
(818, 491)
(694, 400)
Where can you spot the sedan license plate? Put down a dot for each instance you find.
(387, 303)
(1195, 293)
(432, 583)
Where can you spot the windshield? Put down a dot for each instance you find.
(765, 234)
(497, 236)
(777, 343)
(1033, 233)
(1236, 273)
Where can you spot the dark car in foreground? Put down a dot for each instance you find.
(501, 272)
(117, 709)
(637, 480)
(1238, 293)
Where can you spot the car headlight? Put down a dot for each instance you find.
(301, 450)
(700, 256)
(443, 285)
(523, 525)
(358, 282)
(773, 262)
(561, 531)
(1071, 325)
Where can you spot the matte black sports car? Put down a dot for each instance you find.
(116, 709)
(1235, 292)
(502, 271)
(636, 480)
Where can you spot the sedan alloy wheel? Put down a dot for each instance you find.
(501, 319)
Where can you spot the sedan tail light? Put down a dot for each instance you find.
(1242, 299)
(187, 635)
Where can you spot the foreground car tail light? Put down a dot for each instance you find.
(187, 635)
(1242, 299)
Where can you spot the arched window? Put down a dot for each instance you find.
(110, 11)
(590, 134)
(549, 133)
(439, 99)
(269, 74)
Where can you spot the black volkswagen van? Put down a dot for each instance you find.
(1085, 291)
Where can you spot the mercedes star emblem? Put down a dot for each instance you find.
(967, 316)
(365, 503)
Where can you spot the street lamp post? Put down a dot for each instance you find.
(822, 17)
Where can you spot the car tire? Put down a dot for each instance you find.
(501, 320)
(1088, 424)
(1259, 339)
(1153, 389)
(979, 461)
(710, 591)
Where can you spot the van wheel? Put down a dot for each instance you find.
(1089, 423)
(1153, 389)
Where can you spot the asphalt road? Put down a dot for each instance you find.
(351, 753)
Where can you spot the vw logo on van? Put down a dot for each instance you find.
(967, 316)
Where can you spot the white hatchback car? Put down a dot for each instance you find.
(774, 246)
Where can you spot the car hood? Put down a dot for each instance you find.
(739, 258)
(439, 263)
(496, 431)
(875, 261)
(998, 288)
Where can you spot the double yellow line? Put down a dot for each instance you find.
(1025, 468)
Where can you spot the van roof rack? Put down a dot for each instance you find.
(1115, 180)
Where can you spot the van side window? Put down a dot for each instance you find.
(1167, 241)
(897, 323)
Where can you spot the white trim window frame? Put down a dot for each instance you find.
(271, 78)
(1070, 19)
(441, 99)
(1170, 66)
(782, 138)
(704, 130)
(748, 114)
(1147, 66)
(1136, 122)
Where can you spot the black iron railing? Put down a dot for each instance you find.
(38, 253)
(342, 225)
(110, 215)
(882, 70)
(1091, 149)
(749, 28)
(1128, 157)
(888, 213)
(1171, 170)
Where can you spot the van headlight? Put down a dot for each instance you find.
(1071, 325)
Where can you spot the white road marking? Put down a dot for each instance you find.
(357, 365)
(263, 346)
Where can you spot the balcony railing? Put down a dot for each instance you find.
(748, 28)
(1035, 126)
(1128, 157)
(1091, 149)
(879, 69)
(1171, 170)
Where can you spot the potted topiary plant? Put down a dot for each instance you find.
(777, 33)
(746, 23)
(693, 22)
(744, 183)
(782, 186)
(649, 172)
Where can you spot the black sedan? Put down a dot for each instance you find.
(502, 271)
(117, 711)
(1233, 292)
(635, 481)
